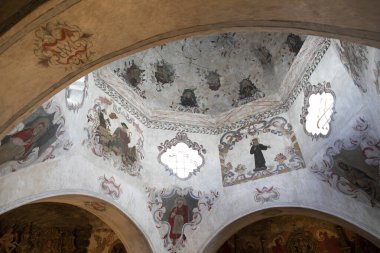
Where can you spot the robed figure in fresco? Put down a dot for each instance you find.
(352, 165)
(19, 145)
(256, 150)
(178, 216)
(362, 180)
(121, 137)
(120, 140)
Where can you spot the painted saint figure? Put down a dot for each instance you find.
(178, 216)
(361, 180)
(256, 150)
(120, 140)
(19, 145)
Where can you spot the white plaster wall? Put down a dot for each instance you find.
(349, 103)
(373, 94)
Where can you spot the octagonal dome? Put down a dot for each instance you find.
(223, 78)
(210, 74)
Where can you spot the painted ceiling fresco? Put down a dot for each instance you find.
(112, 81)
(351, 164)
(177, 212)
(296, 234)
(210, 74)
(115, 136)
(37, 139)
(270, 146)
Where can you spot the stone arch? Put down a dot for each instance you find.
(230, 229)
(126, 229)
(54, 181)
(135, 26)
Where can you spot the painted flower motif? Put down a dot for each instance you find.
(240, 169)
(280, 158)
(213, 80)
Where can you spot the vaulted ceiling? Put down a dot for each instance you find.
(203, 84)
(226, 79)
(211, 74)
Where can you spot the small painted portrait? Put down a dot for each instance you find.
(247, 89)
(188, 98)
(178, 216)
(294, 43)
(177, 212)
(213, 80)
(256, 150)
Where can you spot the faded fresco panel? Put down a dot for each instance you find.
(34, 140)
(115, 136)
(351, 165)
(177, 212)
(258, 150)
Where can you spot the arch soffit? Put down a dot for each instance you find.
(219, 237)
(317, 18)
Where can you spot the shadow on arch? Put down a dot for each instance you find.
(229, 230)
(71, 222)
